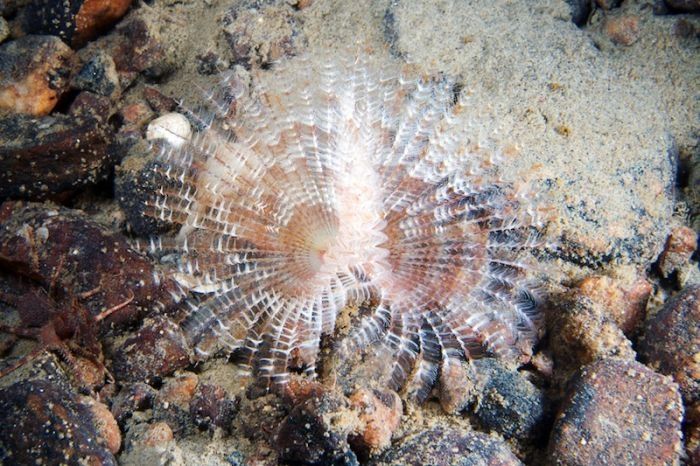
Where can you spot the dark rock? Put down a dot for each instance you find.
(608, 4)
(74, 21)
(212, 407)
(688, 6)
(43, 423)
(157, 350)
(580, 11)
(136, 49)
(136, 184)
(34, 73)
(507, 402)
(98, 75)
(134, 397)
(671, 341)
(442, 446)
(58, 247)
(692, 433)
(618, 412)
(316, 431)
(45, 157)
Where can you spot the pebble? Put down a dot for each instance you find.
(171, 405)
(444, 446)
(624, 301)
(612, 405)
(507, 402)
(99, 75)
(581, 332)
(173, 128)
(316, 430)
(692, 433)
(622, 30)
(261, 35)
(34, 73)
(138, 396)
(158, 101)
(456, 390)
(379, 415)
(151, 444)
(671, 341)
(158, 349)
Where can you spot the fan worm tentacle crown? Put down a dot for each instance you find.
(337, 181)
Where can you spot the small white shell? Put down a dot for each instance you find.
(173, 127)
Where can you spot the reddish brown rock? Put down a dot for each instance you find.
(62, 249)
(157, 434)
(671, 341)
(212, 407)
(157, 350)
(581, 332)
(95, 16)
(692, 433)
(618, 412)
(442, 446)
(379, 415)
(622, 30)
(34, 73)
(680, 245)
(624, 303)
(159, 102)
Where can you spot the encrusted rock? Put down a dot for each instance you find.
(507, 402)
(679, 247)
(618, 412)
(99, 75)
(4, 29)
(173, 401)
(671, 341)
(316, 430)
(151, 444)
(157, 350)
(34, 73)
(441, 446)
(380, 415)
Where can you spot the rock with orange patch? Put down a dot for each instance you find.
(34, 73)
(380, 415)
(95, 16)
(679, 247)
(622, 30)
(104, 422)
